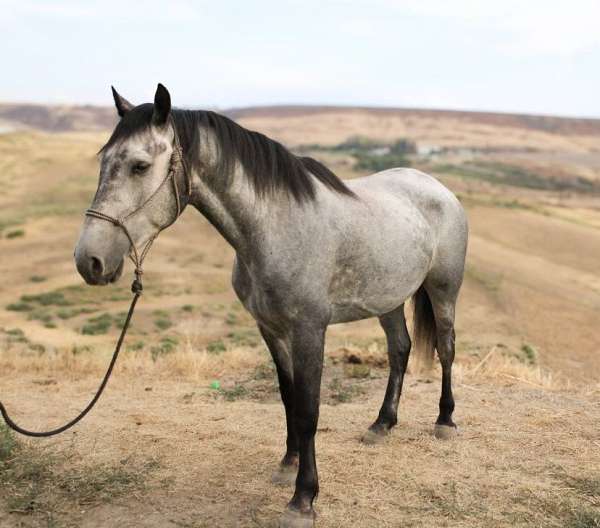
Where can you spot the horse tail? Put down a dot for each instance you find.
(424, 329)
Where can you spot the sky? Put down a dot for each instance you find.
(534, 56)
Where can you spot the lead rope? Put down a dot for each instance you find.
(96, 397)
(136, 286)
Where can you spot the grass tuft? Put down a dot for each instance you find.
(584, 518)
(167, 345)
(163, 323)
(529, 354)
(19, 307)
(343, 393)
(8, 444)
(97, 325)
(16, 233)
(590, 487)
(39, 482)
(236, 392)
(55, 298)
(216, 347)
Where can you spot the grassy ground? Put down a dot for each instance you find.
(191, 426)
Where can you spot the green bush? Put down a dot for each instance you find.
(8, 444)
(163, 323)
(381, 162)
(97, 325)
(17, 233)
(46, 299)
(19, 307)
(216, 347)
(167, 344)
(235, 393)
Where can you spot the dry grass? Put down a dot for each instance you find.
(497, 365)
(183, 363)
(525, 455)
(190, 364)
(41, 481)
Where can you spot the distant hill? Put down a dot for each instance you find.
(88, 117)
(559, 125)
(56, 118)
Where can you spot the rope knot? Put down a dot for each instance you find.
(137, 287)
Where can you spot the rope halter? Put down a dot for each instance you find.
(176, 165)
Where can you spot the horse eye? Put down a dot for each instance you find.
(140, 167)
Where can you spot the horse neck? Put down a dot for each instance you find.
(230, 204)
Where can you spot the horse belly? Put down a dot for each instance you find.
(371, 287)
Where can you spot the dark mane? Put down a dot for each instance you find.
(269, 166)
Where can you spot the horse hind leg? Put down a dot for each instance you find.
(443, 301)
(398, 345)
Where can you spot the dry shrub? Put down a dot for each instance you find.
(373, 355)
(183, 362)
(187, 362)
(502, 366)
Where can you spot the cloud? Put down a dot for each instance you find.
(150, 10)
(505, 54)
(534, 27)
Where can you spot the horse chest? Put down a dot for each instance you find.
(270, 302)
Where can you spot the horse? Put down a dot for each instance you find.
(311, 250)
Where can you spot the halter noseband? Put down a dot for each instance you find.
(176, 163)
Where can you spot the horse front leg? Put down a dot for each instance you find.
(307, 342)
(288, 467)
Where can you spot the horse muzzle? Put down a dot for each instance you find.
(95, 270)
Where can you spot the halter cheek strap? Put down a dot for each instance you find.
(176, 165)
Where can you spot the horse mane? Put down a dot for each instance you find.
(269, 166)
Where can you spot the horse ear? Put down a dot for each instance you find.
(162, 105)
(122, 104)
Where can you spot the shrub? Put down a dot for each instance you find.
(17, 233)
(216, 347)
(19, 307)
(163, 323)
(97, 325)
(46, 299)
(376, 163)
(167, 344)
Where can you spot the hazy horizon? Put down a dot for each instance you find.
(501, 57)
(110, 105)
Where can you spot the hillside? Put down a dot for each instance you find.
(168, 447)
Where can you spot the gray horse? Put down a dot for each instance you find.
(311, 251)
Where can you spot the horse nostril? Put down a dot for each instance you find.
(97, 267)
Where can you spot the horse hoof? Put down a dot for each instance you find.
(285, 476)
(445, 432)
(374, 437)
(295, 519)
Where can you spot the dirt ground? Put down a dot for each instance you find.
(165, 447)
(526, 455)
